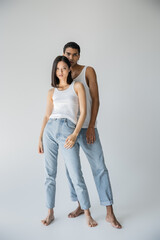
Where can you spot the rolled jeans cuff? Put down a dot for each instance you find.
(107, 203)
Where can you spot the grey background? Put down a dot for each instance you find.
(120, 39)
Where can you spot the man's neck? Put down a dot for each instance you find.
(75, 68)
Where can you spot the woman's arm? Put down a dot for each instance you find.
(49, 110)
(80, 91)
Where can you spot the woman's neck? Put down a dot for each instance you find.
(62, 83)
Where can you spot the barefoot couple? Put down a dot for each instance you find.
(70, 122)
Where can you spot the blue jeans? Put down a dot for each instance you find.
(94, 154)
(55, 133)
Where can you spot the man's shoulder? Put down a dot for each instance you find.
(90, 72)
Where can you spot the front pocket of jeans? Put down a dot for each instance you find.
(70, 124)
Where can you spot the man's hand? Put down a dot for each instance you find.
(90, 135)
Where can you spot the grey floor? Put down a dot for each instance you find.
(23, 206)
(25, 224)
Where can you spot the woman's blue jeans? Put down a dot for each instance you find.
(55, 133)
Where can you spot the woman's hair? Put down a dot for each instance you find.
(54, 78)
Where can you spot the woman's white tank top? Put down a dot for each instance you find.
(81, 78)
(65, 104)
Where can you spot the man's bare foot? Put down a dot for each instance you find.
(76, 212)
(91, 222)
(48, 220)
(112, 219)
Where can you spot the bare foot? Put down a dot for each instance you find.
(76, 212)
(112, 219)
(91, 222)
(48, 220)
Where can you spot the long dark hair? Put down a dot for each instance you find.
(54, 78)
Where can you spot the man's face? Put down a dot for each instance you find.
(72, 55)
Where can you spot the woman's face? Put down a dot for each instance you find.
(62, 70)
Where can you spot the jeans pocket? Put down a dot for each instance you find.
(70, 124)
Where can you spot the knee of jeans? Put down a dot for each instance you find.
(99, 170)
(50, 174)
(50, 179)
(78, 180)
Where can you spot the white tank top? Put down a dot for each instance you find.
(65, 104)
(81, 78)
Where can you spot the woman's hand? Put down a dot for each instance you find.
(40, 146)
(70, 141)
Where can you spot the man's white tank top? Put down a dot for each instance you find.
(81, 78)
(65, 104)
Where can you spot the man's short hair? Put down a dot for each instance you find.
(71, 45)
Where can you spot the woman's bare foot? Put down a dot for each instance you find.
(112, 219)
(49, 218)
(91, 222)
(76, 212)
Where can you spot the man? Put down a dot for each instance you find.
(88, 137)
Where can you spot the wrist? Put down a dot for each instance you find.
(75, 134)
(91, 126)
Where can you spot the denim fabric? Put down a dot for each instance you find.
(55, 133)
(94, 154)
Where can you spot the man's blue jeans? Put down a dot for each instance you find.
(55, 133)
(94, 154)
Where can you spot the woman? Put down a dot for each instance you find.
(60, 129)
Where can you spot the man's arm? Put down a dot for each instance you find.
(91, 79)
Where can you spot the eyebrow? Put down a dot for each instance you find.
(73, 53)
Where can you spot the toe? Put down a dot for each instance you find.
(71, 215)
(43, 221)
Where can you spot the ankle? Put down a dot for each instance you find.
(50, 211)
(109, 210)
(87, 213)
